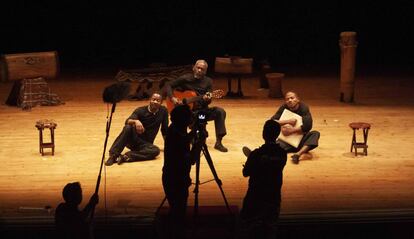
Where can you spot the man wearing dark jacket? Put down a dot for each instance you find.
(264, 166)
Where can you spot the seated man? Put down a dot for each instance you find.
(310, 138)
(139, 133)
(201, 84)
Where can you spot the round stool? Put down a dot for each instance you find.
(275, 84)
(365, 128)
(46, 124)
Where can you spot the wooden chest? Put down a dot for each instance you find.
(29, 65)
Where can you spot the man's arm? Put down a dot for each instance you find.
(287, 130)
(278, 114)
(208, 88)
(290, 122)
(137, 124)
(91, 204)
(307, 121)
(170, 86)
(133, 120)
(164, 123)
(248, 167)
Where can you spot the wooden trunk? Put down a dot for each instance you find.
(233, 65)
(30, 65)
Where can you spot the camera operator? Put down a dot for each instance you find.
(176, 170)
(201, 84)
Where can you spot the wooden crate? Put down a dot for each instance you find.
(29, 65)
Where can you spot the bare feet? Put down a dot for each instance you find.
(306, 156)
(295, 158)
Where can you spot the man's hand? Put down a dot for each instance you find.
(139, 127)
(176, 101)
(207, 96)
(291, 121)
(287, 130)
(94, 199)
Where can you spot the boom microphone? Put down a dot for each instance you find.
(116, 92)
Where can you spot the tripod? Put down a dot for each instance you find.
(200, 146)
(199, 135)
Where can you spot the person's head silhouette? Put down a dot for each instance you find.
(271, 130)
(72, 193)
(181, 116)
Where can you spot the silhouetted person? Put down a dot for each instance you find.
(201, 85)
(264, 166)
(310, 138)
(139, 133)
(69, 220)
(176, 170)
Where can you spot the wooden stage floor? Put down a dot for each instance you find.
(333, 181)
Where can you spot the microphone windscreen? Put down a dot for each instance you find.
(116, 92)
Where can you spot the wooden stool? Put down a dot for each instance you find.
(365, 128)
(46, 124)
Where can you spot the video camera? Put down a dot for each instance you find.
(200, 118)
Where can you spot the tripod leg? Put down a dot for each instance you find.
(196, 188)
(162, 204)
(214, 172)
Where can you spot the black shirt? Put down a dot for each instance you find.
(151, 122)
(265, 168)
(70, 222)
(303, 111)
(177, 160)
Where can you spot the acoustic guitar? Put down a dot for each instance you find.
(189, 97)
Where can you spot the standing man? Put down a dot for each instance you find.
(201, 84)
(310, 138)
(176, 170)
(264, 166)
(139, 133)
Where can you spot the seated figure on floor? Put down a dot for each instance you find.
(310, 138)
(139, 133)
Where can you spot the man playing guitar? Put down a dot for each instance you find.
(201, 85)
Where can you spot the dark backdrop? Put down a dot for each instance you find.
(121, 34)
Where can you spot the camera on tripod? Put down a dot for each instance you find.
(200, 118)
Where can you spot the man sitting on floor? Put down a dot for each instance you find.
(139, 133)
(310, 138)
